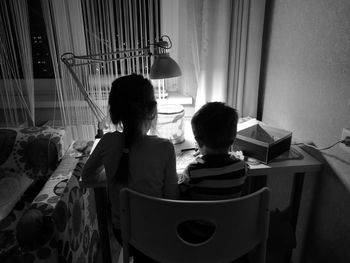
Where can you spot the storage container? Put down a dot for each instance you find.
(170, 122)
(262, 142)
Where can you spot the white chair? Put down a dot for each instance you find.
(151, 225)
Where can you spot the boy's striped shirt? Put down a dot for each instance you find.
(214, 177)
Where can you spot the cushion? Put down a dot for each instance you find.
(33, 151)
(12, 186)
(34, 229)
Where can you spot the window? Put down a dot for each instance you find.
(136, 24)
(118, 25)
(42, 63)
(127, 35)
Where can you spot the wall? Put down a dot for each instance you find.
(47, 105)
(44, 90)
(307, 91)
(45, 100)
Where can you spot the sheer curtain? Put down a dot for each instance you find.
(219, 49)
(93, 27)
(16, 68)
(65, 32)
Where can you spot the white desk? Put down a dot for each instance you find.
(257, 175)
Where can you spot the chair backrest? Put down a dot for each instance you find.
(151, 225)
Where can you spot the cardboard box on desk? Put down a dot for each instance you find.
(262, 142)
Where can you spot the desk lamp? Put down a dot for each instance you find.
(163, 67)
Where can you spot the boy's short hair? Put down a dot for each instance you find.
(215, 125)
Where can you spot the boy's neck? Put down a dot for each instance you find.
(210, 151)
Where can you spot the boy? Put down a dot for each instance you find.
(216, 174)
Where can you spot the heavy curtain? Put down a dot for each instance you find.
(218, 48)
(16, 68)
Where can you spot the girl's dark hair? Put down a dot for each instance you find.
(215, 125)
(131, 105)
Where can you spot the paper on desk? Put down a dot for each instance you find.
(183, 159)
(94, 145)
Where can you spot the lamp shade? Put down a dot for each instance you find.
(164, 67)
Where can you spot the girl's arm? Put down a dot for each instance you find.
(93, 169)
(171, 188)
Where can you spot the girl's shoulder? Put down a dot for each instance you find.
(112, 135)
(148, 139)
(157, 142)
(111, 138)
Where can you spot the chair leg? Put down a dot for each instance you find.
(258, 254)
(124, 256)
(121, 258)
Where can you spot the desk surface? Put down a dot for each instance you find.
(307, 164)
(304, 165)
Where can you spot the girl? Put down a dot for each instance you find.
(129, 156)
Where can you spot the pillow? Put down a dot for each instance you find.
(12, 187)
(34, 229)
(33, 151)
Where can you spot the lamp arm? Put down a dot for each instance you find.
(113, 53)
(70, 58)
(93, 60)
(95, 109)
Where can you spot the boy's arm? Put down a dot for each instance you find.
(245, 186)
(184, 186)
(184, 177)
